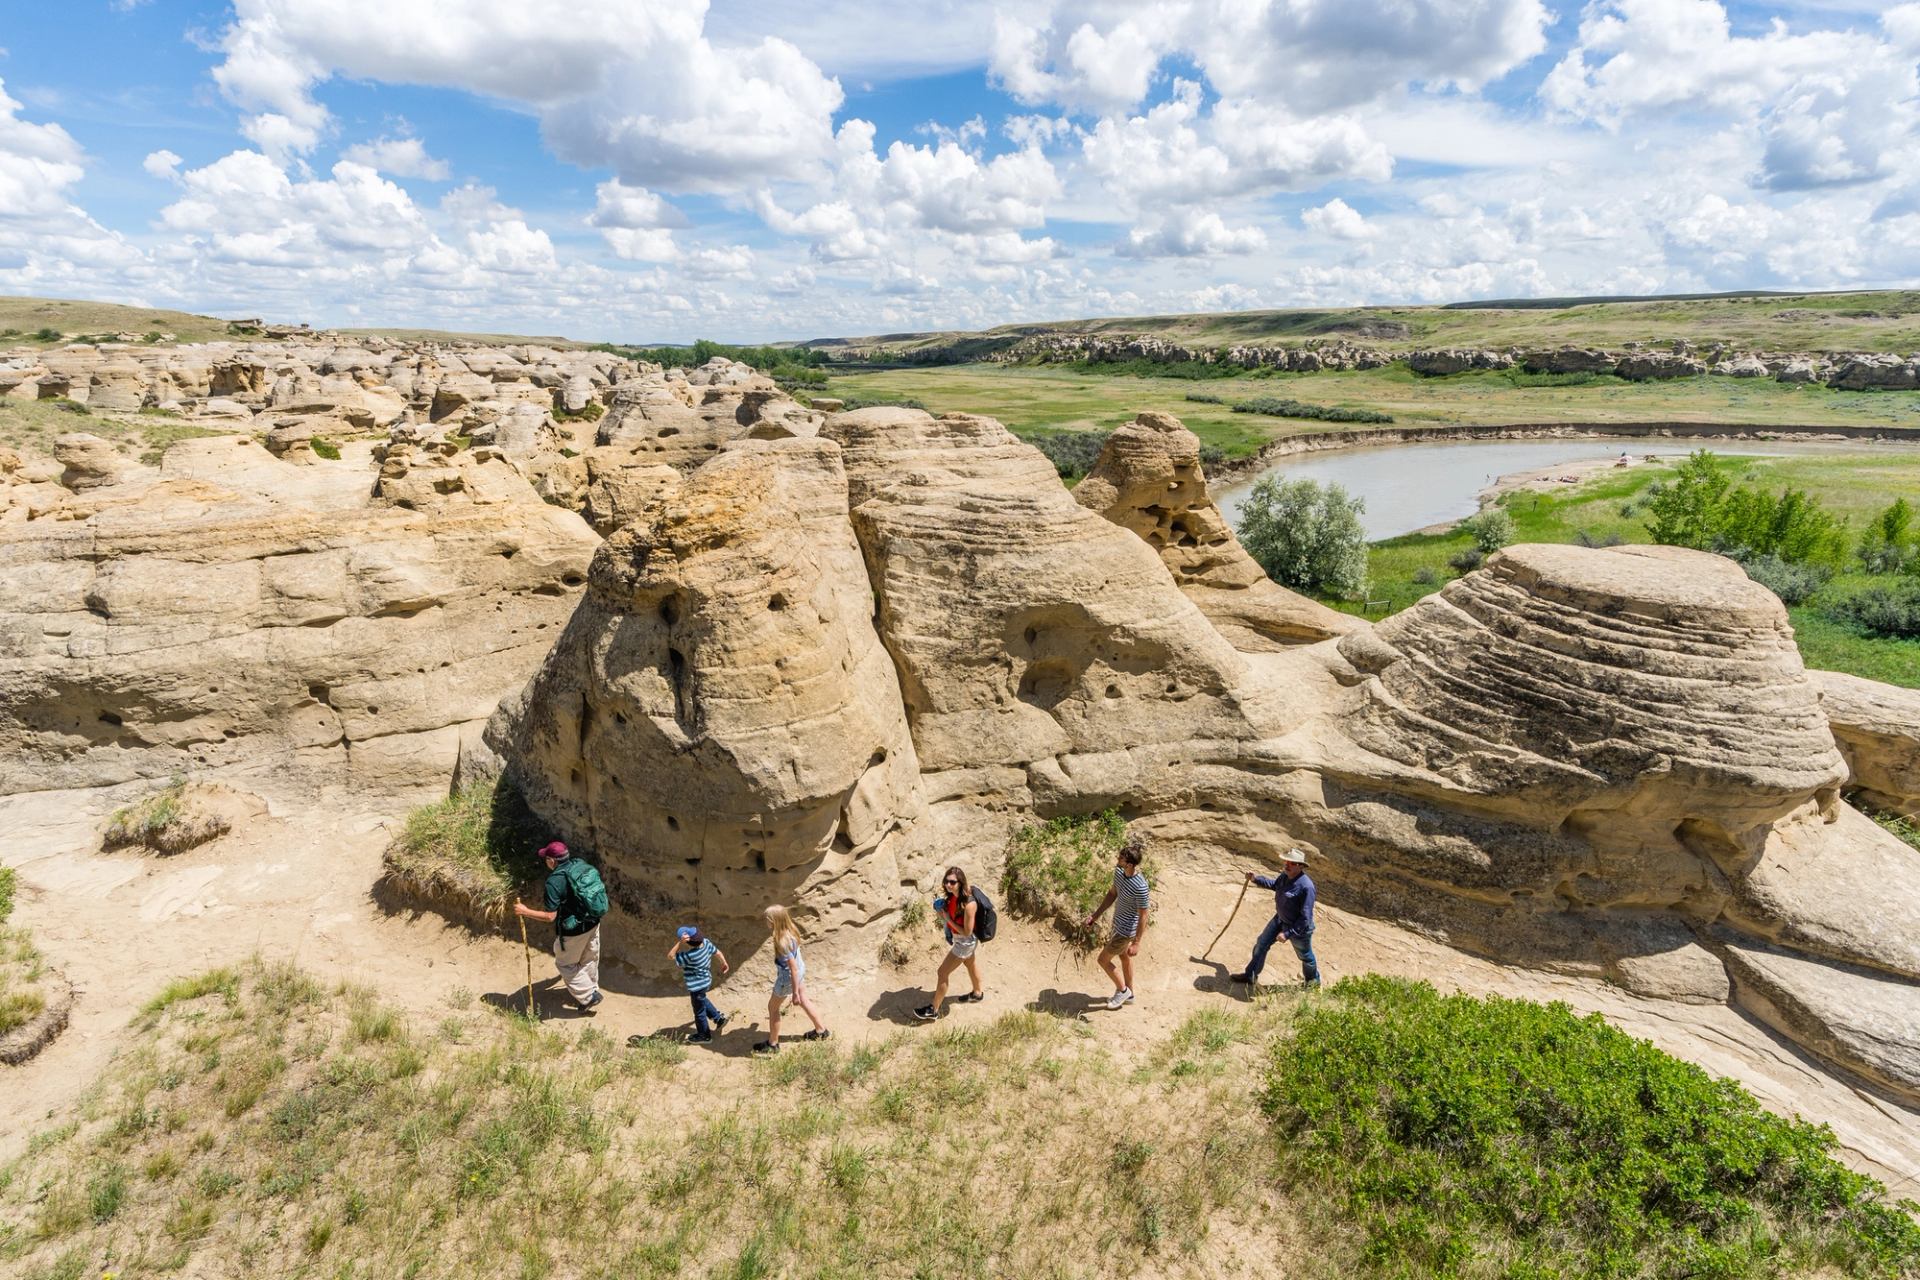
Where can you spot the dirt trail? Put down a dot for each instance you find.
(295, 886)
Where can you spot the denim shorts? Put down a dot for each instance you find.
(964, 948)
(783, 980)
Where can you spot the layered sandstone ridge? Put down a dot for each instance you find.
(826, 664)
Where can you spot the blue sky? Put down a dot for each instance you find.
(645, 171)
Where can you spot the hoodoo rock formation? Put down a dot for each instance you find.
(820, 665)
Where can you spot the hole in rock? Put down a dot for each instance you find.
(573, 579)
(509, 553)
(1173, 688)
(673, 823)
(619, 718)
(1113, 691)
(573, 776)
(229, 734)
(1031, 634)
(107, 717)
(1045, 684)
(777, 603)
(670, 611)
(664, 432)
(683, 703)
(877, 758)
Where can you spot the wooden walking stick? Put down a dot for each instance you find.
(527, 947)
(1244, 886)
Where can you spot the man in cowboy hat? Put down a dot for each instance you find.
(1292, 919)
(576, 899)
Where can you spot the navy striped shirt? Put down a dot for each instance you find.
(696, 965)
(1129, 900)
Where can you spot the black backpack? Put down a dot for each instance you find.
(986, 921)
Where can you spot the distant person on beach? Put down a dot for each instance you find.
(789, 980)
(958, 915)
(1130, 903)
(576, 900)
(1293, 895)
(695, 953)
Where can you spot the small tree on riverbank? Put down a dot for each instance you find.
(1306, 537)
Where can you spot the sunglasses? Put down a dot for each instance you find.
(948, 882)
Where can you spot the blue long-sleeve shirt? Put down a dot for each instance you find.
(1292, 902)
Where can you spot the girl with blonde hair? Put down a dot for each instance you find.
(789, 980)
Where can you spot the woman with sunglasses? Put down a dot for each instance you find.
(956, 912)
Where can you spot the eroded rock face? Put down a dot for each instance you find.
(1148, 480)
(238, 614)
(1877, 727)
(720, 720)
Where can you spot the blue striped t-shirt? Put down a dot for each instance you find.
(696, 965)
(1129, 900)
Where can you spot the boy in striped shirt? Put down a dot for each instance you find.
(695, 955)
(1128, 898)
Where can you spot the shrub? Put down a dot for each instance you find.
(474, 848)
(1201, 397)
(1887, 546)
(1466, 561)
(1703, 509)
(1059, 871)
(1306, 537)
(1892, 611)
(326, 449)
(7, 885)
(882, 402)
(1491, 530)
(1793, 583)
(1072, 453)
(1588, 538)
(593, 412)
(1469, 1136)
(1425, 576)
(48, 334)
(1280, 407)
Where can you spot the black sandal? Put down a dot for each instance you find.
(816, 1035)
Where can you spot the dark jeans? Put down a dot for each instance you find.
(1302, 947)
(702, 1010)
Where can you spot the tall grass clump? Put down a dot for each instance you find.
(21, 968)
(1060, 869)
(1494, 1137)
(169, 820)
(472, 849)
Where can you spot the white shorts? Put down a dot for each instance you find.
(963, 948)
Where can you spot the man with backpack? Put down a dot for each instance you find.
(576, 899)
(966, 918)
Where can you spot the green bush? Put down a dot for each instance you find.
(1280, 407)
(1891, 611)
(1793, 583)
(7, 884)
(326, 449)
(1059, 871)
(1491, 530)
(1306, 537)
(1705, 510)
(1496, 1137)
(1466, 560)
(1072, 453)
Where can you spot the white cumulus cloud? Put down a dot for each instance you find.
(401, 157)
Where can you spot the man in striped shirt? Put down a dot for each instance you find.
(1128, 898)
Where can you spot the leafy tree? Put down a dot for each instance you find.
(1887, 545)
(1686, 512)
(1305, 536)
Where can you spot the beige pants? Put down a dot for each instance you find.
(578, 960)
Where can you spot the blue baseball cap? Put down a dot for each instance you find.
(687, 931)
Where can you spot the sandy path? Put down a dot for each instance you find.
(295, 886)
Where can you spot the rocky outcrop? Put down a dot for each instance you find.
(1569, 360)
(235, 614)
(1658, 366)
(1148, 480)
(1441, 362)
(720, 720)
(1607, 762)
(1875, 373)
(1877, 727)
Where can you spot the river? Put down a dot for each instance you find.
(1413, 486)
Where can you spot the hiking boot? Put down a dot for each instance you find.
(764, 1048)
(816, 1035)
(972, 997)
(720, 1021)
(588, 1005)
(926, 1013)
(700, 1037)
(1119, 998)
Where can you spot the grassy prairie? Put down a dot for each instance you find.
(1884, 320)
(25, 317)
(259, 1123)
(1032, 399)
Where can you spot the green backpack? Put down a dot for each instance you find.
(589, 891)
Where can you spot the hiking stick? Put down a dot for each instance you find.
(1244, 886)
(527, 947)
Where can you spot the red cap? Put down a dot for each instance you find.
(556, 851)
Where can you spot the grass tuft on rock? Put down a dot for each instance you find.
(1493, 1137)
(166, 822)
(471, 851)
(22, 995)
(1059, 870)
